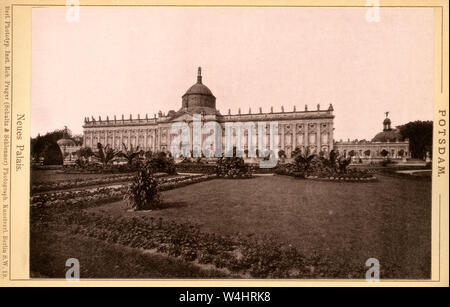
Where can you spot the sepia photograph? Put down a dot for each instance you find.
(122, 182)
(231, 143)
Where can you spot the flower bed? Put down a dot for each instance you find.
(96, 168)
(82, 182)
(109, 193)
(76, 183)
(327, 174)
(193, 167)
(71, 198)
(177, 182)
(345, 178)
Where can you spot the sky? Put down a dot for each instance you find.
(118, 61)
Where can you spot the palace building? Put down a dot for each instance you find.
(386, 144)
(311, 129)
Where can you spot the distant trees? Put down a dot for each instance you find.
(420, 135)
(46, 146)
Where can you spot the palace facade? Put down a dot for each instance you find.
(311, 129)
(386, 144)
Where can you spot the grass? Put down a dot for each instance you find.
(389, 220)
(50, 250)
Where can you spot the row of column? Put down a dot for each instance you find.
(282, 139)
(157, 143)
(91, 140)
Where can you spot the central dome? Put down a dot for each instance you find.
(199, 89)
(199, 98)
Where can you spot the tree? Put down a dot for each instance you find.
(105, 154)
(52, 154)
(46, 146)
(130, 154)
(420, 135)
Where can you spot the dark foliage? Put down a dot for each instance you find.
(130, 154)
(46, 146)
(420, 135)
(233, 167)
(160, 162)
(105, 154)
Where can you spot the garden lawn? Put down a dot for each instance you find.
(350, 222)
(99, 259)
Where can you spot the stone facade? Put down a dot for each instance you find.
(302, 129)
(388, 141)
(366, 149)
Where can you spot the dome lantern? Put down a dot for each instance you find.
(388, 134)
(199, 75)
(387, 123)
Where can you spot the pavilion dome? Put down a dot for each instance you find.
(66, 142)
(388, 136)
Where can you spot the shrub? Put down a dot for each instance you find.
(143, 193)
(333, 167)
(233, 168)
(193, 167)
(161, 162)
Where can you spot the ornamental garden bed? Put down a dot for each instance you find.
(350, 175)
(45, 186)
(96, 195)
(343, 178)
(77, 183)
